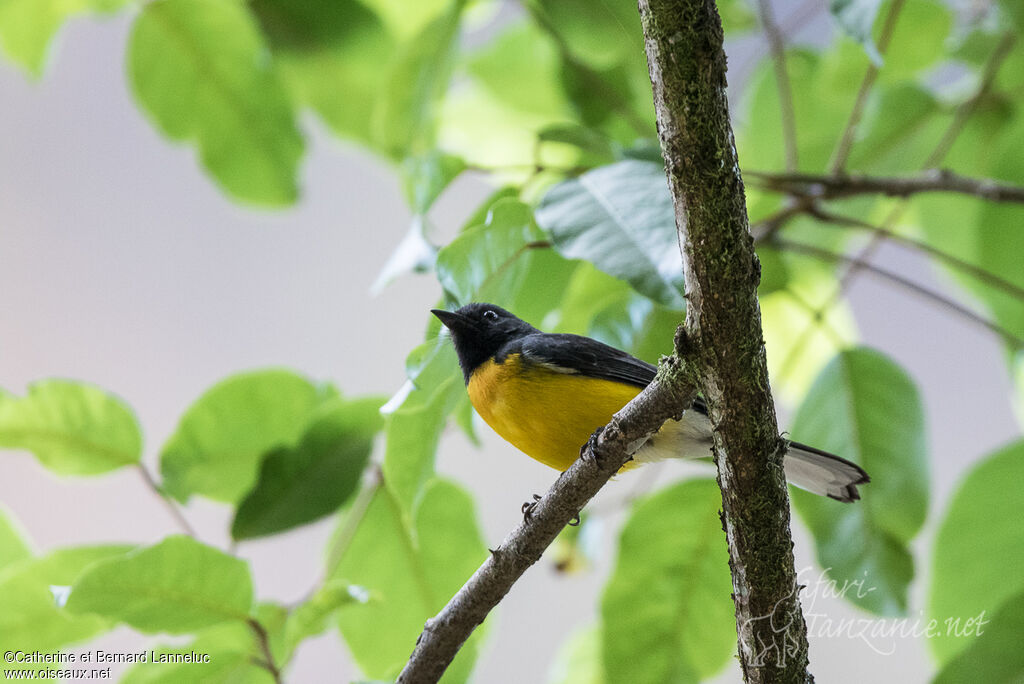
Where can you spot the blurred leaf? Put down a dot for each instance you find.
(667, 611)
(409, 574)
(310, 618)
(865, 408)
(774, 270)
(737, 16)
(232, 650)
(824, 88)
(414, 254)
(798, 345)
(589, 293)
(415, 417)
(901, 127)
(31, 619)
(579, 659)
(406, 19)
(507, 261)
(71, 427)
(918, 40)
(600, 34)
(176, 586)
(300, 484)
(62, 566)
(576, 546)
(329, 54)
(406, 119)
(595, 149)
(14, 544)
(521, 68)
(217, 447)
(994, 653)
(620, 218)
(641, 327)
(27, 27)
(199, 68)
(1015, 11)
(426, 176)
(978, 539)
(856, 18)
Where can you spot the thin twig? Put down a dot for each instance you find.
(778, 49)
(845, 145)
(964, 112)
(827, 187)
(263, 641)
(981, 274)
(168, 502)
(942, 300)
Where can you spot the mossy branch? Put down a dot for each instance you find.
(723, 327)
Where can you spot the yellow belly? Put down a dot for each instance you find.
(545, 414)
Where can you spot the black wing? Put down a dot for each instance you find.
(576, 354)
(586, 356)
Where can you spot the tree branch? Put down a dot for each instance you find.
(826, 187)
(723, 328)
(828, 255)
(776, 44)
(443, 635)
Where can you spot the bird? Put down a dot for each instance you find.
(546, 393)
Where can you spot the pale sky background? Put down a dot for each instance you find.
(121, 264)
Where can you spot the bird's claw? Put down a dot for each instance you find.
(529, 506)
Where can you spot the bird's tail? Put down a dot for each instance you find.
(823, 473)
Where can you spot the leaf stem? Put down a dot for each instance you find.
(168, 502)
(263, 642)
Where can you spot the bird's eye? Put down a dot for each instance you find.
(490, 315)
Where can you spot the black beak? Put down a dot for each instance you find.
(455, 322)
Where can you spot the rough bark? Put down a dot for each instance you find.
(723, 330)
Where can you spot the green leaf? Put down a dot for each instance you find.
(301, 484)
(72, 428)
(200, 69)
(406, 119)
(620, 218)
(176, 586)
(415, 417)
(918, 39)
(798, 345)
(866, 409)
(329, 54)
(857, 18)
(217, 448)
(232, 654)
(641, 327)
(426, 176)
(667, 611)
(521, 69)
(507, 261)
(994, 653)
(14, 545)
(310, 618)
(27, 27)
(978, 539)
(737, 16)
(31, 618)
(579, 659)
(600, 34)
(409, 574)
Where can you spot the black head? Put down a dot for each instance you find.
(479, 331)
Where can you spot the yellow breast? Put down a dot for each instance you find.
(546, 414)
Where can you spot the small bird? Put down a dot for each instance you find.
(546, 394)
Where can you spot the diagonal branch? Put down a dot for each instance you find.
(826, 187)
(443, 635)
(775, 43)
